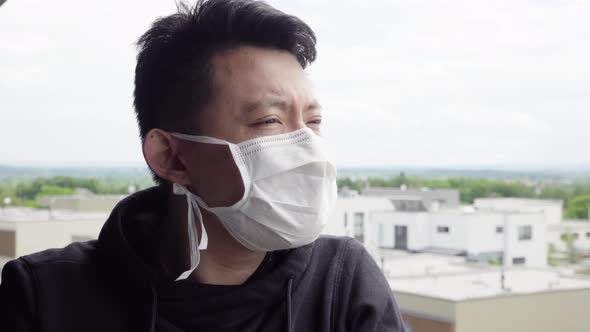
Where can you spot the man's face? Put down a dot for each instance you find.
(258, 92)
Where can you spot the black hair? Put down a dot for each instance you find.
(174, 75)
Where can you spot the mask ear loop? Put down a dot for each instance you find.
(195, 246)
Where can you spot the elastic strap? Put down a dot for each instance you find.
(193, 236)
(200, 139)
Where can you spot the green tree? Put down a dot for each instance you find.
(551, 261)
(573, 254)
(493, 261)
(578, 207)
(49, 190)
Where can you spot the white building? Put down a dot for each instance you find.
(421, 252)
(579, 229)
(82, 201)
(24, 230)
(515, 238)
(556, 226)
(433, 199)
(511, 235)
(352, 217)
(553, 209)
(518, 300)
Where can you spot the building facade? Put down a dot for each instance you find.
(510, 237)
(531, 301)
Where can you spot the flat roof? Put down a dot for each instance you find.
(486, 283)
(486, 212)
(23, 214)
(573, 225)
(401, 264)
(527, 201)
(82, 197)
(465, 211)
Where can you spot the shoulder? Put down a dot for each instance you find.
(75, 253)
(22, 279)
(346, 250)
(49, 271)
(350, 263)
(53, 263)
(337, 244)
(364, 300)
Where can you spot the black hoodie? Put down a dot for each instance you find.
(113, 285)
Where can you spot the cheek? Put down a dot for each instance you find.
(214, 175)
(316, 129)
(231, 129)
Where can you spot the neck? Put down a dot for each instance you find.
(224, 262)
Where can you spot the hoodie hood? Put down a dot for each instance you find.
(128, 242)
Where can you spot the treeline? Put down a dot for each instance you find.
(26, 191)
(576, 196)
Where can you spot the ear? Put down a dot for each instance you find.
(160, 151)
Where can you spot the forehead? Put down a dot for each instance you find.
(252, 72)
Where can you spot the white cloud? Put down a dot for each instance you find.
(419, 82)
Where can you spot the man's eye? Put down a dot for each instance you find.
(315, 122)
(270, 121)
(267, 122)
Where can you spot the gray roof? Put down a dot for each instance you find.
(445, 197)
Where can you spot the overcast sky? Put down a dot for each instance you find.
(403, 83)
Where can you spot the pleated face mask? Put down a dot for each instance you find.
(289, 192)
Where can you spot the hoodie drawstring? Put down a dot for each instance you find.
(154, 308)
(289, 290)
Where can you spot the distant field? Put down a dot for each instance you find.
(567, 174)
(24, 185)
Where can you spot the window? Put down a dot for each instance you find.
(525, 233)
(588, 235)
(499, 229)
(345, 220)
(575, 235)
(442, 229)
(518, 260)
(381, 234)
(359, 226)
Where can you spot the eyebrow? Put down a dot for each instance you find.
(268, 102)
(278, 102)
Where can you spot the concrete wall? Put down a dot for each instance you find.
(37, 236)
(341, 222)
(563, 310)
(459, 230)
(417, 223)
(582, 228)
(7, 243)
(58, 203)
(474, 233)
(80, 203)
(425, 324)
(443, 197)
(534, 250)
(483, 237)
(348, 207)
(99, 203)
(550, 311)
(552, 209)
(425, 307)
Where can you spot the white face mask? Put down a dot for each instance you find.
(289, 192)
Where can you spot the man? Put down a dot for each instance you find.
(228, 240)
